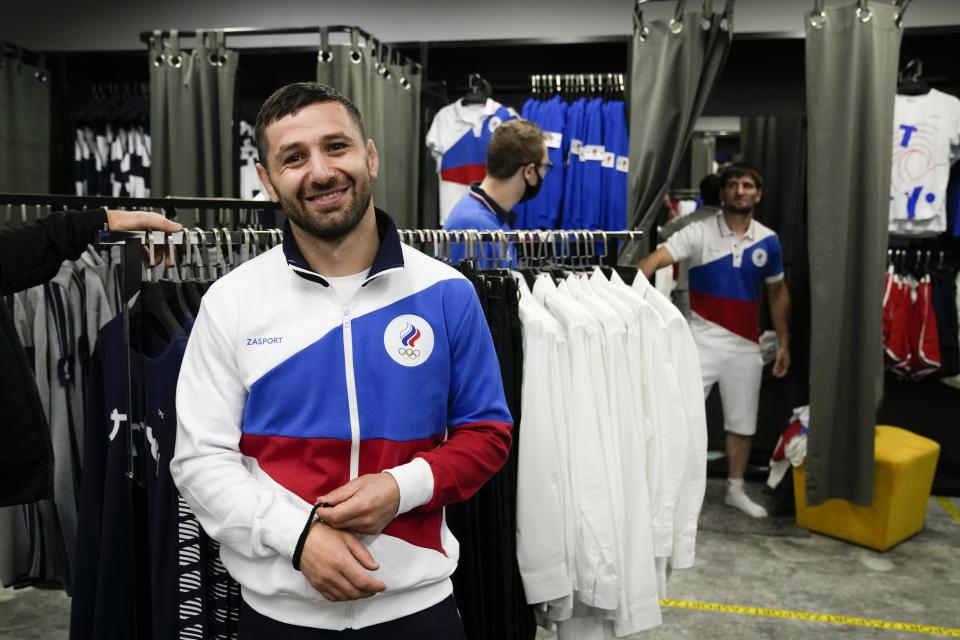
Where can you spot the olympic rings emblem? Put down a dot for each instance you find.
(412, 354)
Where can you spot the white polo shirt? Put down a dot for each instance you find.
(726, 274)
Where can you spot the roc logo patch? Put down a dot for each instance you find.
(408, 339)
(759, 257)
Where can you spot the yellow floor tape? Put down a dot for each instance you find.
(812, 617)
(946, 504)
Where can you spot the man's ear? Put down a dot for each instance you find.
(373, 158)
(265, 181)
(759, 195)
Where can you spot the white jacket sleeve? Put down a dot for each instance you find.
(235, 508)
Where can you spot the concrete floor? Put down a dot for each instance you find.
(766, 564)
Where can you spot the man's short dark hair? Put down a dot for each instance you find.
(710, 190)
(293, 97)
(515, 143)
(740, 170)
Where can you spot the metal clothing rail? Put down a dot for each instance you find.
(593, 83)
(167, 204)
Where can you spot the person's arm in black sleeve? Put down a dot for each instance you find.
(32, 254)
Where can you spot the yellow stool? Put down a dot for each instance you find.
(904, 464)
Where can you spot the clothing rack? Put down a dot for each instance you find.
(372, 41)
(169, 206)
(558, 246)
(544, 85)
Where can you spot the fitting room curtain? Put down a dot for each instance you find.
(191, 116)
(851, 74)
(387, 93)
(675, 66)
(24, 127)
(777, 145)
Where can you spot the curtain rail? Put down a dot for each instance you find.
(145, 36)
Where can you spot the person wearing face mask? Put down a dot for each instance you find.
(517, 163)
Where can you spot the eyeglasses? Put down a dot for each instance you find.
(547, 166)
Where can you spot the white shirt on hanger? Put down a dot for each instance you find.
(926, 141)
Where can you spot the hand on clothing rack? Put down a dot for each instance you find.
(140, 221)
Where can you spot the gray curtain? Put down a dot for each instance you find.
(191, 117)
(851, 69)
(388, 96)
(777, 146)
(703, 154)
(674, 68)
(24, 127)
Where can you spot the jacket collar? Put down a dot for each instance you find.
(508, 217)
(389, 255)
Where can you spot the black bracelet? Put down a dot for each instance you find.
(298, 551)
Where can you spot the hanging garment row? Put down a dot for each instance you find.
(179, 585)
(587, 141)
(112, 142)
(920, 320)
(587, 136)
(609, 487)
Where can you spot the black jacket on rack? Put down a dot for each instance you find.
(30, 255)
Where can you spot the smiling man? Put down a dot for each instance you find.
(731, 257)
(322, 459)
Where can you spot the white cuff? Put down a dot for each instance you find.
(415, 480)
(286, 522)
(776, 278)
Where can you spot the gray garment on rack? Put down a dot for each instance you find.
(191, 117)
(391, 115)
(851, 69)
(24, 129)
(19, 555)
(671, 78)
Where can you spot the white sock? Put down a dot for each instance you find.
(737, 497)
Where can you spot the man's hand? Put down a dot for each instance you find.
(334, 562)
(782, 363)
(366, 504)
(140, 221)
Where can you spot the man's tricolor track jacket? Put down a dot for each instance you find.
(286, 394)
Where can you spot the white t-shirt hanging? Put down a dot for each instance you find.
(926, 141)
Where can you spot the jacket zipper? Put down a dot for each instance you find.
(354, 418)
(351, 395)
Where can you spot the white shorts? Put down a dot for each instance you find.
(739, 374)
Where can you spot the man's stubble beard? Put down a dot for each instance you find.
(328, 225)
(740, 211)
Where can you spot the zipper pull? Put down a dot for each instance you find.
(346, 316)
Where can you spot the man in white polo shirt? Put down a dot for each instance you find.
(731, 255)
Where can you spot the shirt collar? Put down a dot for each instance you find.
(509, 217)
(389, 255)
(725, 229)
